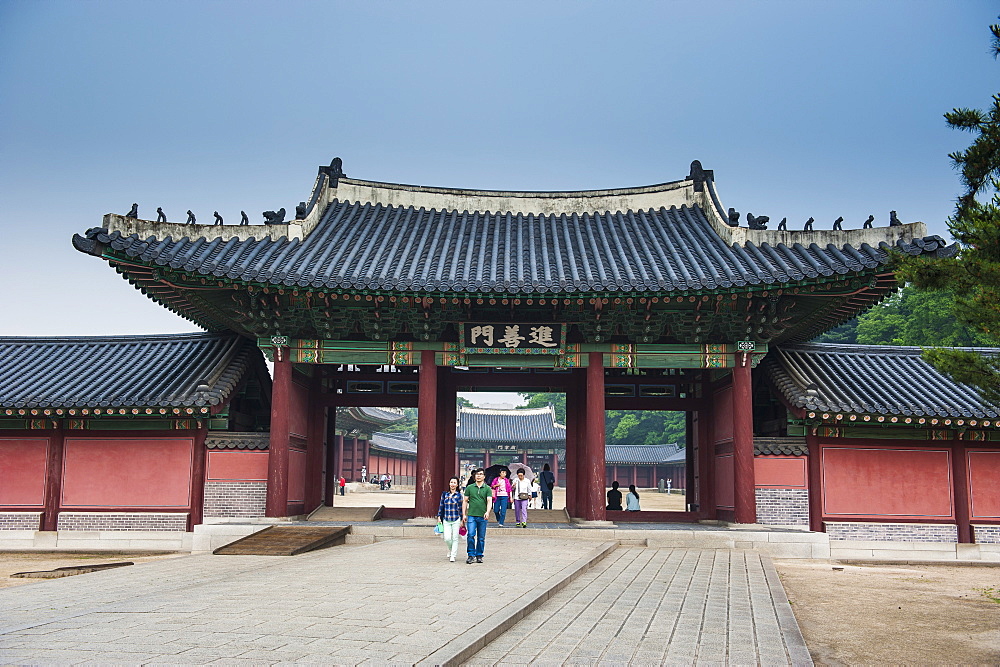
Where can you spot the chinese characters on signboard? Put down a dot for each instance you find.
(500, 338)
(505, 448)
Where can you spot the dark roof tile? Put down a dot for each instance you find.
(172, 370)
(876, 379)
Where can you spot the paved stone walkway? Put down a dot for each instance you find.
(402, 602)
(660, 606)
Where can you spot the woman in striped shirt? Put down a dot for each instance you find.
(450, 516)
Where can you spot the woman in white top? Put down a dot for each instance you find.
(632, 499)
(522, 496)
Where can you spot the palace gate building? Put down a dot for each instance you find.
(380, 295)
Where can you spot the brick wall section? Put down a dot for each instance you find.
(783, 507)
(987, 534)
(243, 500)
(20, 520)
(892, 532)
(124, 521)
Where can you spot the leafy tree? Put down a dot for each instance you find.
(846, 333)
(973, 273)
(623, 426)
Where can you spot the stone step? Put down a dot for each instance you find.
(546, 516)
(346, 514)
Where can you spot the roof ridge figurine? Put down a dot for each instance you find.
(133, 212)
(300, 211)
(809, 225)
(218, 218)
(783, 225)
(757, 222)
(837, 224)
(893, 220)
(191, 218)
(274, 217)
(734, 217)
(244, 220)
(160, 215)
(869, 221)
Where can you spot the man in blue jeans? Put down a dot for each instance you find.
(475, 509)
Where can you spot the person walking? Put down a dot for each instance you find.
(450, 516)
(632, 499)
(614, 498)
(547, 484)
(522, 498)
(536, 502)
(342, 483)
(501, 496)
(475, 511)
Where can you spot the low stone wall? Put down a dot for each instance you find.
(782, 507)
(986, 534)
(123, 521)
(891, 532)
(20, 520)
(239, 500)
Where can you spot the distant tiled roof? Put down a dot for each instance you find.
(780, 446)
(639, 454)
(871, 379)
(238, 440)
(404, 442)
(535, 425)
(173, 370)
(361, 245)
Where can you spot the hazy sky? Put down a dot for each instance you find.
(820, 109)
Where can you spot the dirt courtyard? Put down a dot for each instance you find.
(862, 614)
(895, 614)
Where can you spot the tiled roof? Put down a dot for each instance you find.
(638, 454)
(394, 248)
(175, 370)
(238, 440)
(871, 379)
(404, 442)
(783, 446)
(536, 425)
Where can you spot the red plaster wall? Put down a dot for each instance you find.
(126, 472)
(296, 476)
(239, 465)
(887, 482)
(722, 415)
(22, 471)
(298, 418)
(780, 472)
(724, 481)
(984, 484)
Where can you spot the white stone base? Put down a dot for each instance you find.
(95, 540)
(912, 551)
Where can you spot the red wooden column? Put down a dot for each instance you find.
(447, 414)
(706, 462)
(339, 447)
(331, 458)
(743, 477)
(315, 431)
(815, 472)
(276, 503)
(960, 475)
(555, 468)
(199, 466)
(427, 444)
(355, 461)
(574, 415)
(591, 467)
(53, 480)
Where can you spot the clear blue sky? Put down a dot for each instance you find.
(820, 109)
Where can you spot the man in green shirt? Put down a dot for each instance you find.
(475, 509)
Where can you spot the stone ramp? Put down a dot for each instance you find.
(285, 541)
(346, 514)
(660, 606)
